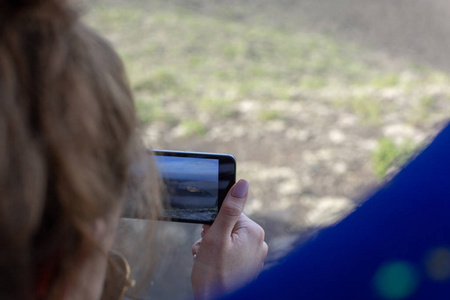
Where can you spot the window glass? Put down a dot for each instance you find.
(320, 101)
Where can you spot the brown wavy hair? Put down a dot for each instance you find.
(67, 140)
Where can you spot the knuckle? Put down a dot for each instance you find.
(261, 234)
(265, 250)
(258, 233)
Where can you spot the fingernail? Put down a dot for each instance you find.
(240, 189)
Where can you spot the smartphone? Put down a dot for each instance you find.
(195, 184)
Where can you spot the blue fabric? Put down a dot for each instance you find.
(395, 246)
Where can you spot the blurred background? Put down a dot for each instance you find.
(320, 101)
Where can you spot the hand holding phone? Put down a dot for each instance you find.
(231, 251)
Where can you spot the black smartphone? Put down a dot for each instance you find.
(195, 184)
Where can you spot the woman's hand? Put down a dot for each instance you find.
(231, 251)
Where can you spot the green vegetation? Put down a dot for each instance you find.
(368, 110)
(190, 128)
(179, 56)
(158, 82)
(147, 111)
(312, 83)
(270, 115)
(423, 110)
(386, 81)
(151, 111)
(218, 107)
(390, 155)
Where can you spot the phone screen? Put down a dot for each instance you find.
(195, 184)
(192, 186)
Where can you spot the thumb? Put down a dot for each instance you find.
(231, 209)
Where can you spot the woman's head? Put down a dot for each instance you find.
(67, 137)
